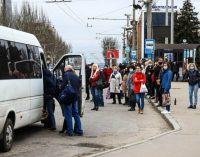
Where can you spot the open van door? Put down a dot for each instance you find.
(78, 63)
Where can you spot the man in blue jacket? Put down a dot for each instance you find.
(166, 79)
(49, 94)
(71, 106)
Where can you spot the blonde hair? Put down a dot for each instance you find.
(191, 64)
(92, 71)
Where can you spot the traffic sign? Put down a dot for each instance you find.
(127, 50)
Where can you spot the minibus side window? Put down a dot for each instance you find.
(19, 63)
(4, 59)
(35, 66)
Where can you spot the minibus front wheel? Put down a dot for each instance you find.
(8, 134)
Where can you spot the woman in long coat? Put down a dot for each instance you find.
(115, 85)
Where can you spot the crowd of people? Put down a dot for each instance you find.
(132, 82)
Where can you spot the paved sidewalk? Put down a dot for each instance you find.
(183, 143)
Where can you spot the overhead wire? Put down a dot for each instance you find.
(75, 14)
(69, 14)
(110, 12)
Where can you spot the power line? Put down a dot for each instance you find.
(75, 13)
(68, 14)
(110, 12)
(58, 1)
(111, 19)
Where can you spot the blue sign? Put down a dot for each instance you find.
(149, 46)
(133, 55)
(127, 50)
(125, 60)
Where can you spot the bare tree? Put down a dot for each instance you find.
(35, 21)
(109, 43)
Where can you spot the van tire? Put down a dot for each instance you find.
(8, 134)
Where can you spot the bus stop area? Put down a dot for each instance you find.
(111, 127)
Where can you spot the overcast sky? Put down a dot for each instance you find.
(70, 21)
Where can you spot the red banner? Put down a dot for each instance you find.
(112, 54)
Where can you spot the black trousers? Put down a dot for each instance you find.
(88, 91)
(114, 98)
(132, 100)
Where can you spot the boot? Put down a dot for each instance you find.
(141, 111)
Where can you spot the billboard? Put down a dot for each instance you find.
(112, 54)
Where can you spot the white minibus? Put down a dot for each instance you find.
(22, 63)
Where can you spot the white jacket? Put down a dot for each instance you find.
(115, 82)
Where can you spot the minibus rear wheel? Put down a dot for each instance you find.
(8, 134)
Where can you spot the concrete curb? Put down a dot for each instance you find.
(168, 118)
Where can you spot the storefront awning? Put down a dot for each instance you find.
(176, 46)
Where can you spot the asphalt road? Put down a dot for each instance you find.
(112, 126)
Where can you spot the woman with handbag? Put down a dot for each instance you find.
(166, 79)
(95, 76)
(139, 80)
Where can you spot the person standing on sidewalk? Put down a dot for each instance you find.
(130, 86)
(139, 78)
(157, 72)
(71, 105)
(49, 94)
(94, 77)
(193, 79)
(150, 85)
(115, 85)
(124, 86)
(166, 79)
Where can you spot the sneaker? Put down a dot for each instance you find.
(131, 109)
(165, 111)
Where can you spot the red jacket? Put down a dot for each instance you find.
(109, 72)
(94, 78)
(138, 79)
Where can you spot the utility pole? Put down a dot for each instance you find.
(133, 33)
(124, 41)
(149, 19)
(127, 26)
(172, 23)
(167, 20)
(4, 12)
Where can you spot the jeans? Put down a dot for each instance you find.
(71, 109)
(96, 96)
(140, 100)
(101, 97)
(193, 89)
(50, 105)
